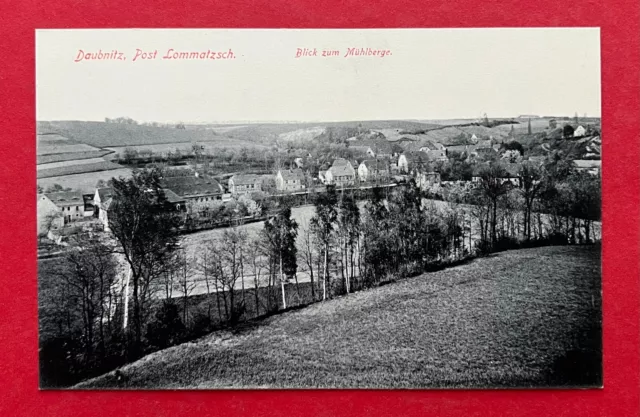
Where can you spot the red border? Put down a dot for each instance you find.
(620, 92)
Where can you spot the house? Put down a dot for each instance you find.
(70, 205)
(195, 190)
(245, 184)
(436, 155)
(579, 132)
(418, 161)
(396, 150)
(510, 174)
(102, 200)
(341, 173)
(372, 169)
(49, 215)
(290, 180)
(589, 166)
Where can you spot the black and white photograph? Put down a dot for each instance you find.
(319, 208)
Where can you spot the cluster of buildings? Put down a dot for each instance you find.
(192, 192)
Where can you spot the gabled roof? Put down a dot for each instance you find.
(294, 174)
(376, 165)
(66, 198)
(246, 179)
(192, 186)
(105, 193)
(341, 167)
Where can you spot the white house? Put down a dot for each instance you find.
(372, 169)
(245, 184)
(290, 180)
(102, 200)
(579, 132)
(341, 173)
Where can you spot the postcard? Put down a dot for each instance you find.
(319, 208)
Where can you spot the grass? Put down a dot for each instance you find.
(77, 169)
(70, 156)
(520, 318)
(104, 135)
(85, 182)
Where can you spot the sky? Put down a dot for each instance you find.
(429, 74)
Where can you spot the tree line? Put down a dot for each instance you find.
(141, 275)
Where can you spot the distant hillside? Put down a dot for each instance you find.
(102, 135)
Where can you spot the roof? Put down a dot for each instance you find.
(375, 165)
(105, 193)
(341, 168)
(435, 154)
(395, 148)
(172, 197)
(458, 148)
(66, 198)
(295, 174)
(244, 179)
(192, 186)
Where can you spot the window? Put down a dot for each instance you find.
(77, 208)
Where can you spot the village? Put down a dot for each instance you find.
(369, 161)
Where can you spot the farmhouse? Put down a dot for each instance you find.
(290, 180)
(372, 169)
(341, 173)
(245, 184)
(70, 205)
(417, 161)
(200, 190)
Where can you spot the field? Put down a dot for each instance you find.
(520, 318)
(77, 167)
(70, 156)
(57, 144)
(84, 182)
(163, 148)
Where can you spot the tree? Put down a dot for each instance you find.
(280, 233)
(531, 179)
(49, 221)
(88, 272)
(349, 231)
(145, 227)
(529, 127)
(322, 225)
(231, 252)
(493, 187)
(129, 155)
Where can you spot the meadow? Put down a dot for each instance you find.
(73, 168)
(522, 318)
(85, 182)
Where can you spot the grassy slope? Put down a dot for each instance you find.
(527, 317)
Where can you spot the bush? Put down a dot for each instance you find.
(483, 247)
(201, 324)
(167, 328)
(506, 243)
